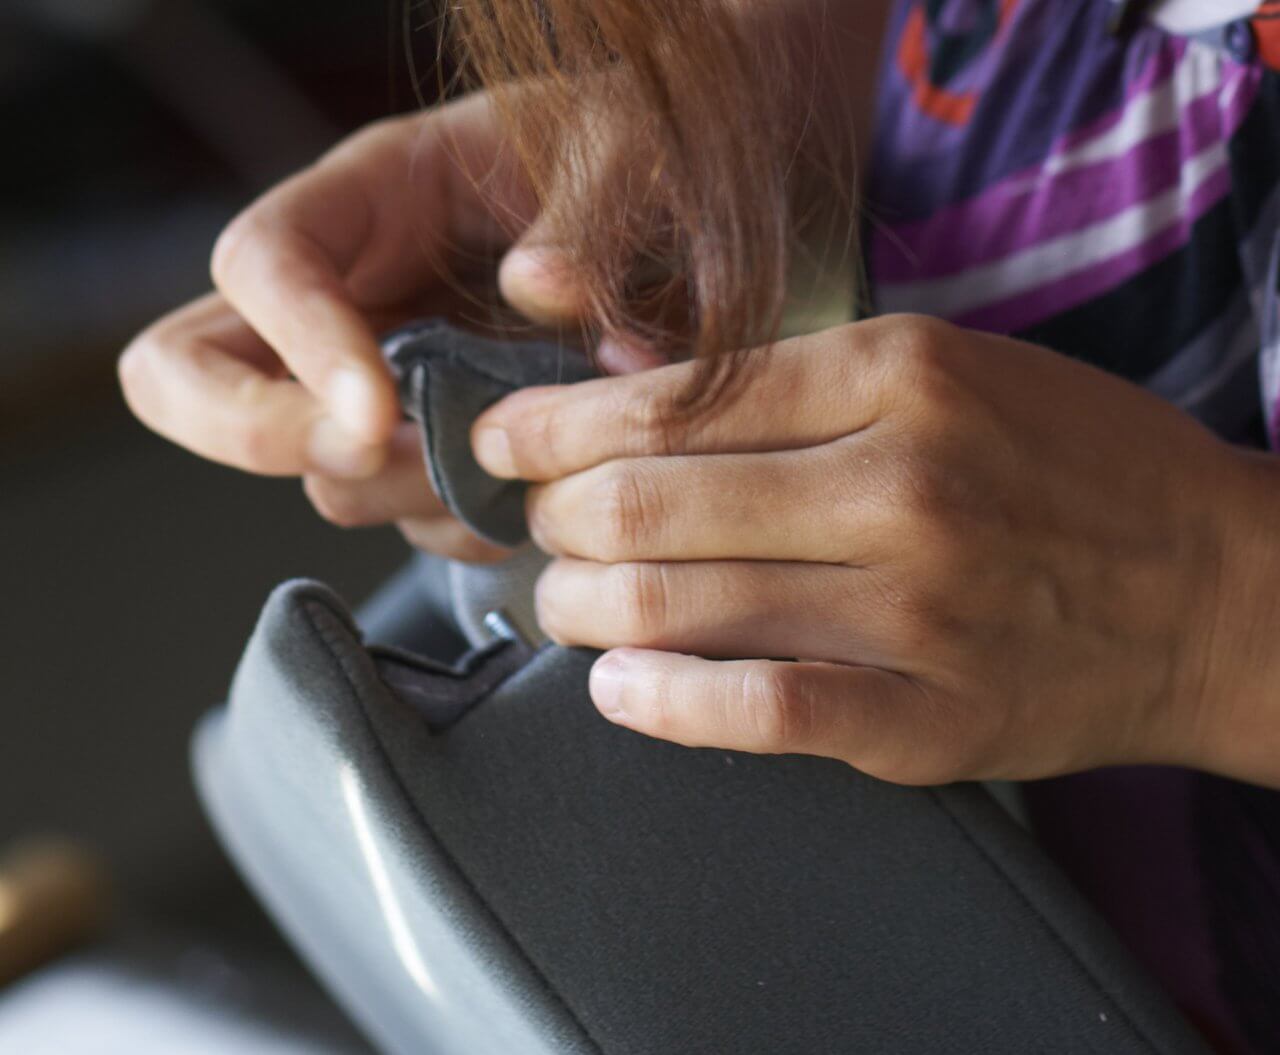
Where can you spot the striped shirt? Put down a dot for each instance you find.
(1115, 197)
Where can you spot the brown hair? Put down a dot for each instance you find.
(687, 241)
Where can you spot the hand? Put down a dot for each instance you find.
(280, 373)
(985, 560)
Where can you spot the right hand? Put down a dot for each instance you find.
(279, 372)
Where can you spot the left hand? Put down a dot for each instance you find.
(986, 560)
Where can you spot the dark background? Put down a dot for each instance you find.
(130, 571)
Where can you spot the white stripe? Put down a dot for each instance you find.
(1152, 113)
(1182, 371)
(1242, 348)
(1059, 257)
(1192, 16)
(1269, 369)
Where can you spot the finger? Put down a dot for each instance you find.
(204, 380)
(720, 507)
(628, 356)
(797, 393)
(401, 490)
(286, 287)
(537, 277)
(726, 609)
(448, 537)
(760, 706)
(387, 213)
(541, 285)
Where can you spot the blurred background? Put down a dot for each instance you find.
(131, 572)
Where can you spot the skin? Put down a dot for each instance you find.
(279, 372)
(990, 560)
(986, 560)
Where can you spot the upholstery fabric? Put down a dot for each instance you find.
(476, 861)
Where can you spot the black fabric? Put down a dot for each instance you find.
(1237, 830)
(1134, 328)
(446, 377)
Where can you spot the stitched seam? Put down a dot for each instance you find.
(504, 930)
(1050, 927)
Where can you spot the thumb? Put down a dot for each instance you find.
(538, 280)
(538, 276)
(759, 706)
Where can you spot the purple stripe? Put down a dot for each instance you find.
(1028, 209)
(1058, 70)
(1158, 67)
(1032, 306)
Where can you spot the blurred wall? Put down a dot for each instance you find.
(131, 572)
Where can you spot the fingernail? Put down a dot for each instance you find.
(353, 400)
(608, 685)
(334, 452)
(492, 449)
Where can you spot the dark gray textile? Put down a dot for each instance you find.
(446, 378)
(477, 862)
(300, 793)
(674, 901)
(413, 610)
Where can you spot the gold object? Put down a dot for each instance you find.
(53, 897)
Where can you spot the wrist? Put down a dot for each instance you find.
(1237, 719)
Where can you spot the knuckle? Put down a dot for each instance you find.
(629, 510)
(229, 249)
(645, 595)
(533, 428)
(375, 136)
(409, 531)
(940, 742)
(455, 540)
(419, 534)
(779, 707)
(922, 339)
(917, 608)
(654, 423)
(256, 446)
(926, 363)
(661, 709)
(547, 607)
(446, 537)
(359, 142)
(919, 488)
(132, 367)
(334, 503)
(912, 354)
